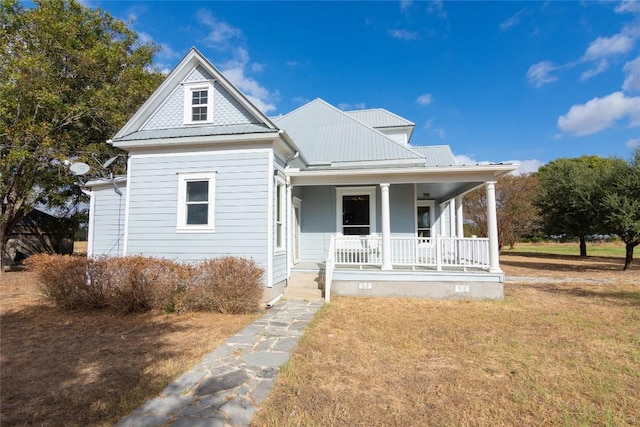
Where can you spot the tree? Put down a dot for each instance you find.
(516, 214)
(569, 197)
(620, 207)
(69, 78)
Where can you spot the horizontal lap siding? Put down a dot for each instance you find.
(317, 222)
(241, 193)
(402, 210)
(318, 217)
(108, 221)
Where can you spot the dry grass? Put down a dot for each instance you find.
(574, 267)
(551, 354)
(91, 367)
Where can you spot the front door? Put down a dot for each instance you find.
(356, 211)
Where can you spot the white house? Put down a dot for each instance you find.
(339, 193)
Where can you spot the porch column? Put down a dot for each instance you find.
(459, 221)
(492, 227)
(452, 217)
(386, 228)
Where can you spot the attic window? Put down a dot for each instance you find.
(198, 103)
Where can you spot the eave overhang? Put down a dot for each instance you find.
(404, 175)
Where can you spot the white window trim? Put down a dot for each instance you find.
(356, 191)
(189, 88)
(183, 178)
(282, 185)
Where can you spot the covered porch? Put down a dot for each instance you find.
(396, 232)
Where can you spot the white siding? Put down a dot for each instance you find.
(318, 217)
(241, 196)
(108, 221)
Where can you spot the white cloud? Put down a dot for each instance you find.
(540, 74)
(403, 34)
(600, 67)
(257, 67)
(405, 5)
(512, 20)
(524, 166)
(466, 160)
(604, 47)
(600, 113)
(632, 71)
(424, 99)
(344, 106)
(437, 8)
(628, 6)
(633, 143)
(227, 38)
(220, 33)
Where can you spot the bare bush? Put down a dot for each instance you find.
(63, 278)
(227, 285)
(136, 283)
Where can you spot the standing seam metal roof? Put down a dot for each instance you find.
(379, 118)
(436, 155)
(326, 134)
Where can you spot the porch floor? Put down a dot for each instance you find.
(318, 267)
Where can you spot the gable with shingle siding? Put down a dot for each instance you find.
(227, 111)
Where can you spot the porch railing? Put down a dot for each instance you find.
(438, 252)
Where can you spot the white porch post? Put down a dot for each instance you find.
(459, 220)
(386, 228)
(492, 226)
(452, 218)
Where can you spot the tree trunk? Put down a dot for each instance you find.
(583, 246)
(629, 255)
(3, 246)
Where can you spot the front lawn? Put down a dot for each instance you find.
(550, 354)
(81, 368)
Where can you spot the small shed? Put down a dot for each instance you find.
(38, 232)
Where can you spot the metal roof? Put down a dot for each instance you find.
(196, 131)
(436, 155)
(379, 118)
(326, 134)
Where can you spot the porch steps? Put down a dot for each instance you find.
(305, 286)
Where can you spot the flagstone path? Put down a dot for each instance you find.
(228, 385)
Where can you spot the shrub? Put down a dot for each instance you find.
(136, 283)
(226, 285)
(63, 278)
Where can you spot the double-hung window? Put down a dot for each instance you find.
(198, 103)
(196, 201)
(279, 215)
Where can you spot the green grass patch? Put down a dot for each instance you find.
(593, 249)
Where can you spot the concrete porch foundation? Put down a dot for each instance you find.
(419, 284)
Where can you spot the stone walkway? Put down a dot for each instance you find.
(227, 386)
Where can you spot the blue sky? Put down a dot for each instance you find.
(497, 81)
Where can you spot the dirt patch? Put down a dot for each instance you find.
(91, 367)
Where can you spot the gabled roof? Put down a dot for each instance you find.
(379, 118)
(436, 155)
(326, 134)
(192, 60)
